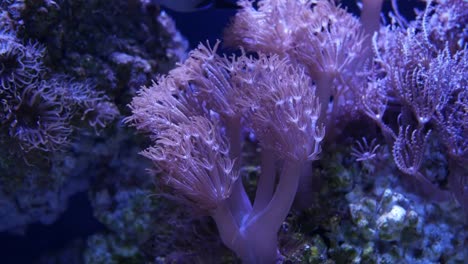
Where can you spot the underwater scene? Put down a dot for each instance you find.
(224, 131)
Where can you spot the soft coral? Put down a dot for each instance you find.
(185, 116)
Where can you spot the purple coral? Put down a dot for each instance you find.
(37, 120)
(20, 65)
(184, 115)
(196, 158)
(319, 35)
(307, 46)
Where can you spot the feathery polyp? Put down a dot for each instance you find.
(287, 110)
(195, 159)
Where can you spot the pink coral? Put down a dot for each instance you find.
(192, 114)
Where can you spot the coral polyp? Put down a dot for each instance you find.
(39, 122)
(20, 65)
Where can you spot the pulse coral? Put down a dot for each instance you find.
(191, 115)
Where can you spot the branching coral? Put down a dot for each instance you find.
(445, 23)
(322, 37)
(313, 61)
(183, 114)
(425, 81)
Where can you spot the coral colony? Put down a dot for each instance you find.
(61, 92)
(325, 138)
(307, 69)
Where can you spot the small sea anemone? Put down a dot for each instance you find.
(82, 99)
(75, 94)
(20, 65)
(99, 114)
(37, 121)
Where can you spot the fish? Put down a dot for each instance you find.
(186, 6)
